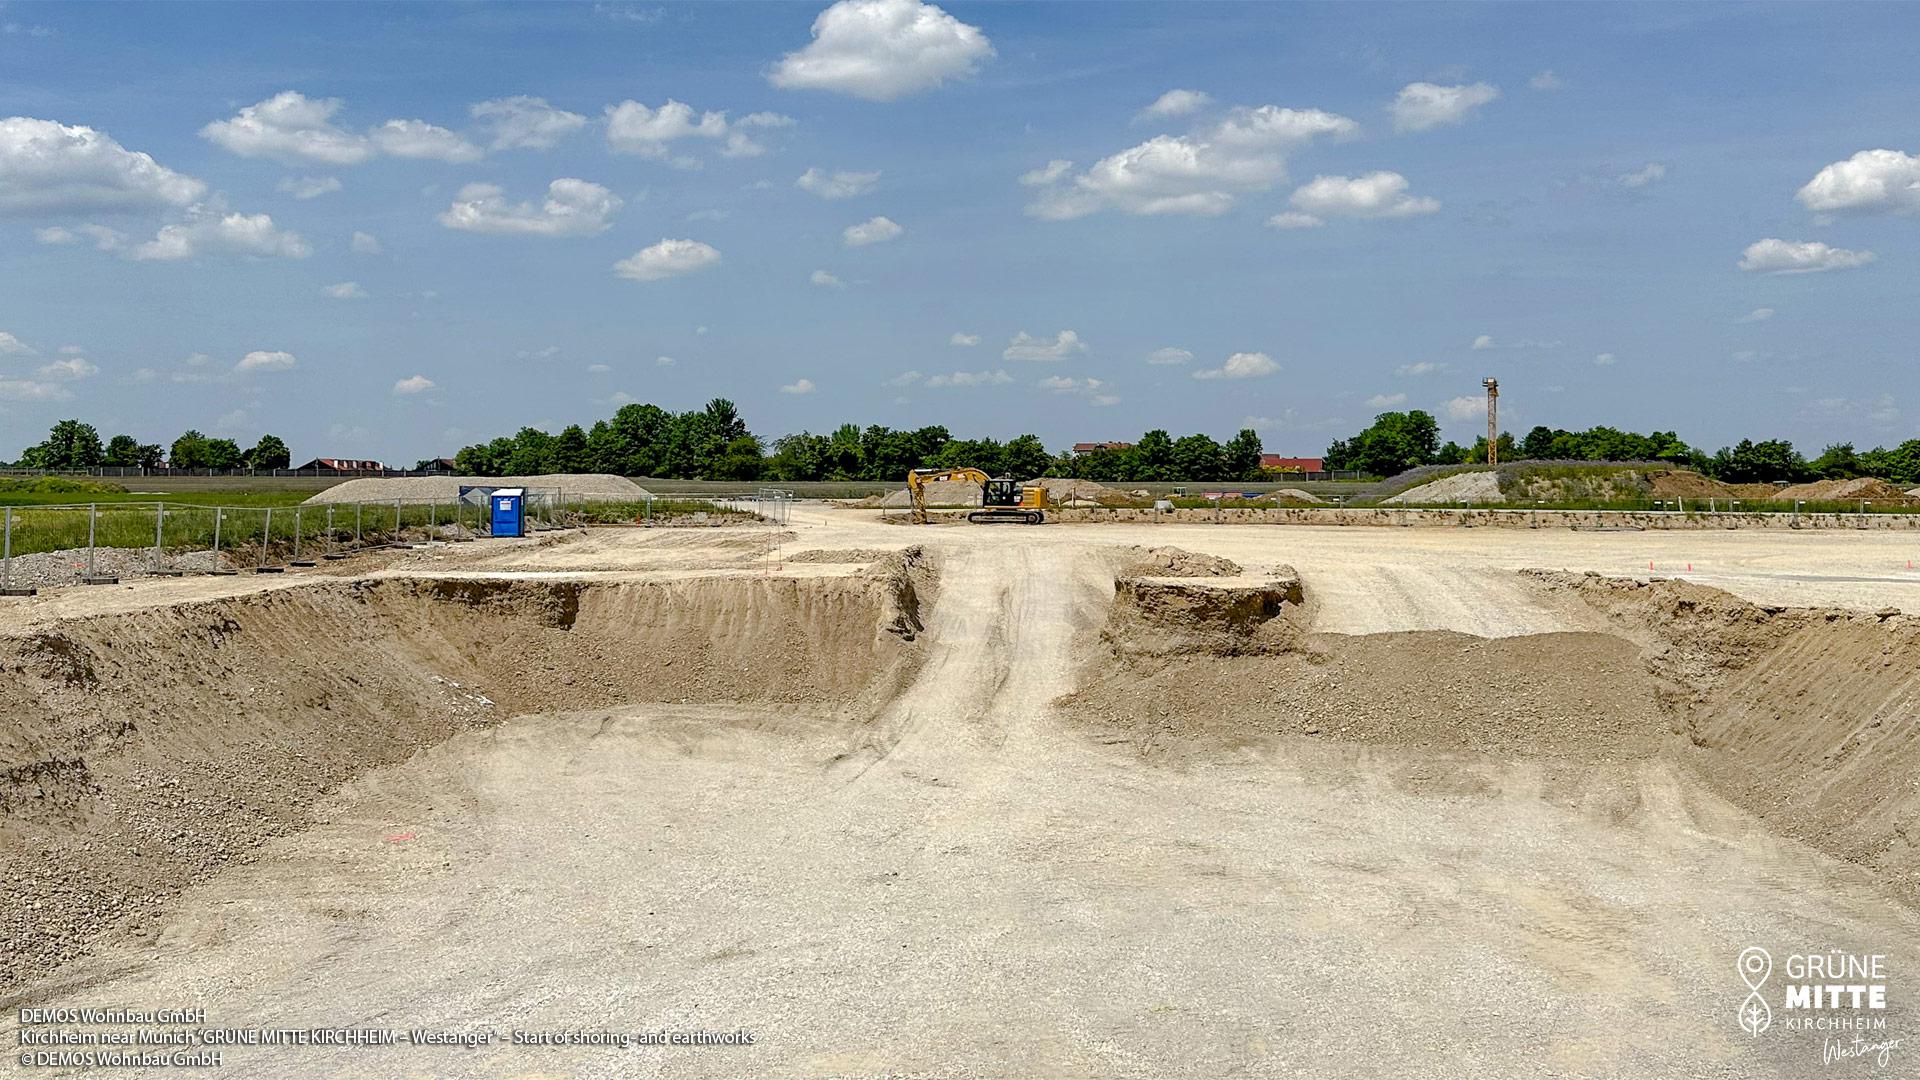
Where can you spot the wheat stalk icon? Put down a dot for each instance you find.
(1755, 966)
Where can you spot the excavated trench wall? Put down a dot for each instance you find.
(142, 752)
(1806, 718)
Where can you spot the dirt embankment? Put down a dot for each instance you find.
(141, 753)
(1809, 718)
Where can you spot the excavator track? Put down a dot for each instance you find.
(1006, 517)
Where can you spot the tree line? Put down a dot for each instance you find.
(713, 443)
(1397, 441)
(72, 444)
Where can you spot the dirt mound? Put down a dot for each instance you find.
(1481, 486)
(1803, 716)
(1862, 487)
(142, 752)
(594, 487)
(836, 555)
(947, 493)
(1293, 497)
(1687, 484)
(1176, 562)
(1061, 491)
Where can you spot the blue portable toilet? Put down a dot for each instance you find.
(507, 518)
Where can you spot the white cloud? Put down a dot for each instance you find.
(546, 352)
(1774, 256)
(798, 386)
(668, 258)
(964, 340)
(50, 167)
(365, 243)
(1386, 401)
(290, 127)
(1241, 365)
(209, 232)
(308, 187)
(633, 128)
(1484, 341)
(266, 361)
(1375, 195)
(664, 361)
(1424, 367)
(572, 208)
(13, 346)
(1294, 219)
(841, 184)
(1869, 182)
(1061, 384)
(883, 50)
(1605, 359)
(1759, 314)
(525, 123)
(1169, 355)
(826, 280)
(1026, 347)
(1047, 174)
(1651, 173)
(346, 290)
(905, 378)
(1423, 106)
(970, 378)
(874, 230)
(1201, 173)
(31, 390)
(709, 214)
(1176, 103)
(1466, 407)
(415, 384)
(1546, 80)
(72, 350)
(423, 141)
(73, 367)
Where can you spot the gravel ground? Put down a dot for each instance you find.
(48, 569)
(600, 487)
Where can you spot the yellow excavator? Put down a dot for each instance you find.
(1001, 499)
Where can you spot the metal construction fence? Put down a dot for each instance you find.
(60, 544)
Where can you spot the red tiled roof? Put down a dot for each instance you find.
(1293, 464)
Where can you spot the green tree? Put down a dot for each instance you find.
(740, 459)
(70, 444)
(570, 451)
(1242, 455)
(122, 451)
(1766, 462)
(1152, 458)
(1837, 462)
(532, 453)
(1025, 457)
(1396, 442)
(269, 453)
(1198, 457)
(189, 451)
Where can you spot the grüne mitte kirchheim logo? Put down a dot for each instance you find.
(1755, 966)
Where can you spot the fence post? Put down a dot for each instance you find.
(266, 536)
(93, 512)
(6, 556)
(296, 534)
(159, 523)
(433, 516)
(396, 521)
(218, 513)
(356, 524)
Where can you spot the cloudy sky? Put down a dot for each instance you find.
(388, 231)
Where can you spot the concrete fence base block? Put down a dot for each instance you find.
(269, 569)
(19, 592)
(303, 562)
(99, 579)
(222, 573)
(335, 558)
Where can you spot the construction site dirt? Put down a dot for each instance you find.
(1175, 800)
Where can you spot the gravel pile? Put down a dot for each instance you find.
(1466, 487)
(49, 569)
(939, 493)
(599, 487)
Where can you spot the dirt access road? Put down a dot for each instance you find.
(968, 883)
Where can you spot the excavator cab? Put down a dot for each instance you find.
(1000, 491)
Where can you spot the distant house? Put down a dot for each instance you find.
(329, 464)
(1293, 464)
(438, 465)
(1090, 447)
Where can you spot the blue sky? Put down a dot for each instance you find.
(1697, 217)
